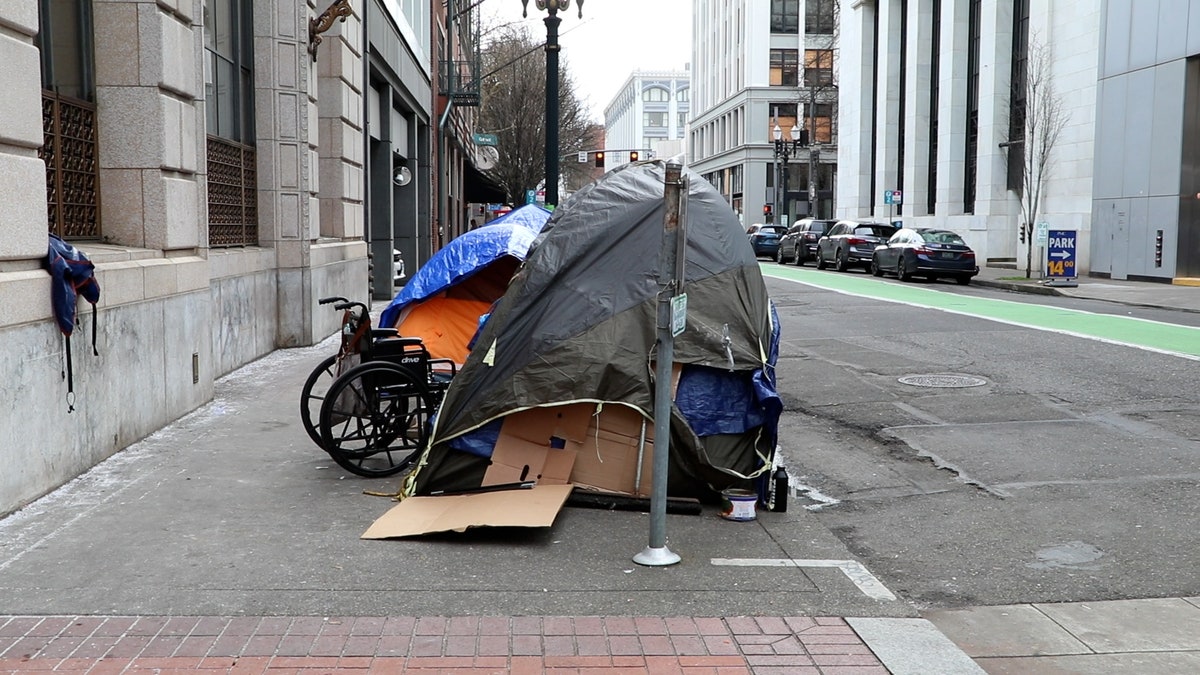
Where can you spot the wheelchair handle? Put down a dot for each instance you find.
(332, 298)
(346, 304)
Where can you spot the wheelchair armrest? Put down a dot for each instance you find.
(396, 340)
(444, 362)
(377, 333)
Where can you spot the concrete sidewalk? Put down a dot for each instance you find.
(1149, 637)
(1182, 297)
(228, 542)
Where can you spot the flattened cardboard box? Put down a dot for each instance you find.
(515, 460)
(608, 463)
(607, 460)
(532, 507)
(538, 445)
(539, 425)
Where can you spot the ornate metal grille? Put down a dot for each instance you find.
(232, 194)
(72, 171)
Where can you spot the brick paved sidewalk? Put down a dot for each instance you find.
(427, 645)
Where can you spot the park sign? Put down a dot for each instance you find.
(1060, 254)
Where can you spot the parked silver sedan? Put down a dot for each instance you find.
(851, 243)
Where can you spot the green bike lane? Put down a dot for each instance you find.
(1176, 340)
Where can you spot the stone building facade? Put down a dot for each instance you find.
(212, 170)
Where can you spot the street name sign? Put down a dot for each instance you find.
(1060, 254)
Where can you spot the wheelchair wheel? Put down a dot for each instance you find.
(375, 419)
(312, 395)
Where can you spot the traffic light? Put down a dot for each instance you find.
(600, 159)
(766, 209)
(633, 155)
(1022, 230)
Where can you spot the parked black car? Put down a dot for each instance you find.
(851, 243)
(765, 238)
(926, 252)
(799, 243)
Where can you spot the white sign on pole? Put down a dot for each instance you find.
(678, 313)
(1043, 229)
(583, 157)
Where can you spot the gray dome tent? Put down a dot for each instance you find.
(577, 325)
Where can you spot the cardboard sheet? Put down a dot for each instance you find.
(608, 461)
(515, 460)
(540, 425)
(533, 507)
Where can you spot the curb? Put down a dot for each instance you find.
(1017, 286)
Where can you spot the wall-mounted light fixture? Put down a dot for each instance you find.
(401, 176)
(338, 10)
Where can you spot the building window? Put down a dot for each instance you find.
(785, 16)
(902, 101)
(229, 108)
(818, 67)
(1017, 102)
(654, 119)
(972, 144)
(656, 95)
(683, 95)
(680, 123)
(935, 57)
(820, 123)
(783, 114)
(785, 67)
(69, 118)
(819, 16)
(870, 94)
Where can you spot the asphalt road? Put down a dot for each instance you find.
(1071, 473)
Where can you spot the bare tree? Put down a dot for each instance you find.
(1045, 116)
(513, 104)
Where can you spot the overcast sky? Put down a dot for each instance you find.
(613, 39)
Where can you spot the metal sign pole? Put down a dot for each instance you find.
(657, 554)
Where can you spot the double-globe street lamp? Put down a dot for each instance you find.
(784, 150)
(551, 21)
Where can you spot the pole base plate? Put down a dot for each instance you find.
(656, 557)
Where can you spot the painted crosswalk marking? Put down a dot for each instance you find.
(854, 571)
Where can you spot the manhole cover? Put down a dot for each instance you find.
(943, 381)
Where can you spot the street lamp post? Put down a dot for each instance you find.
(551, 21)
(784, 150)
(812, 154)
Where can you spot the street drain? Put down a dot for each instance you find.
(942, 381)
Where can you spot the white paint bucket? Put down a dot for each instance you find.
(738, 504)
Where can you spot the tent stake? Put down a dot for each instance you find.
(669, 277)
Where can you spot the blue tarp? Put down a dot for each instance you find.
(508, 235)
(719, 401)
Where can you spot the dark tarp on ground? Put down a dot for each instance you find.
(578, 324)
